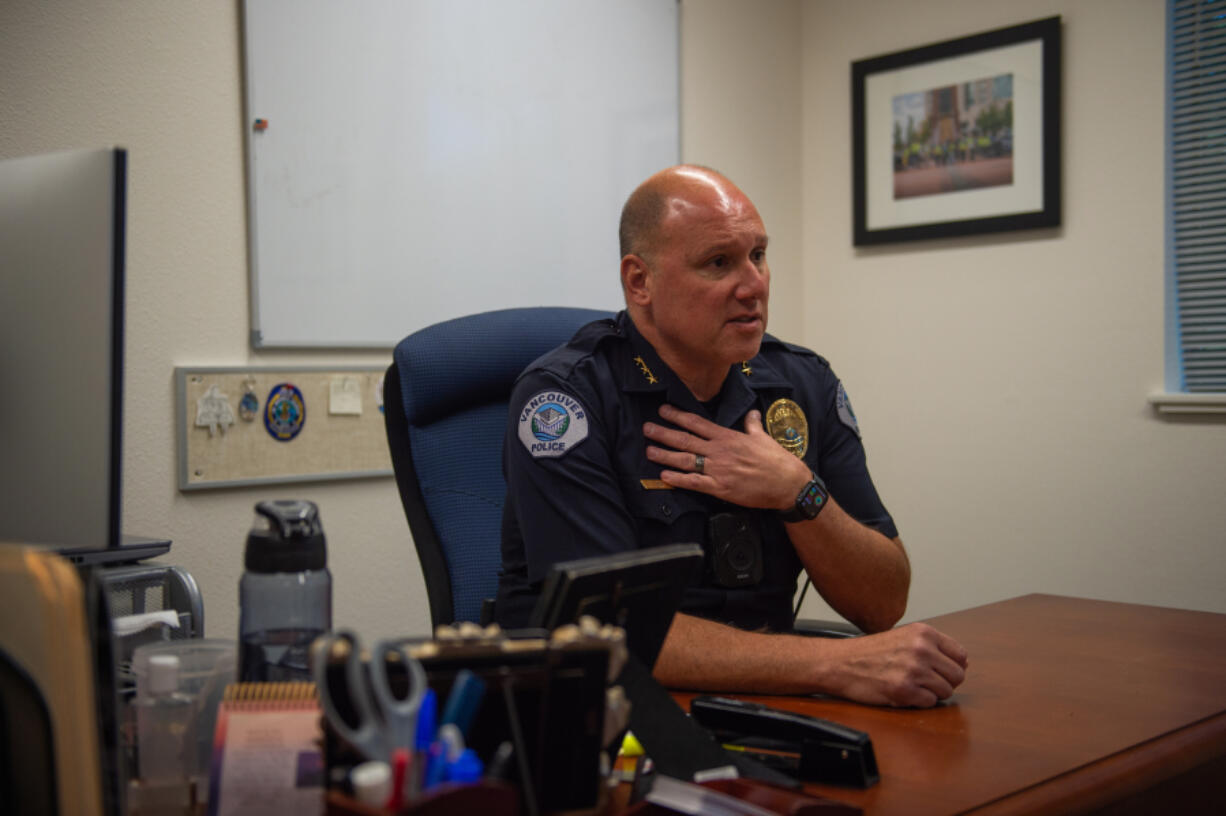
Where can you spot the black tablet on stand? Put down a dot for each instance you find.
(638, 590)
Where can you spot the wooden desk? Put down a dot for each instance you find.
(1069, 706)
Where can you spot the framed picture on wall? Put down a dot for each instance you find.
(958, 138)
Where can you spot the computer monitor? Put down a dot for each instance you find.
(62, 233)
(637, 590)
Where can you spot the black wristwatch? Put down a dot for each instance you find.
(809, 502)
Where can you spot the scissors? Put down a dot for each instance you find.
(365, 713)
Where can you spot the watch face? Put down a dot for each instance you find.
(809, 503)
(811, 500)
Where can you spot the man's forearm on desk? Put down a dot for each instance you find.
(914, 665)
(703, 655)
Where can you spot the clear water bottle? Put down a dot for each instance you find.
(285, 595)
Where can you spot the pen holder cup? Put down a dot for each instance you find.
(548, 703)
(489, 798)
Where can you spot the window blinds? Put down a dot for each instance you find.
(1197, 147)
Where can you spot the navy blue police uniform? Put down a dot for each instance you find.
(579, 483)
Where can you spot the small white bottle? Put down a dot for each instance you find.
(165, 740)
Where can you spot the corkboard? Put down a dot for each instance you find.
(341, 434)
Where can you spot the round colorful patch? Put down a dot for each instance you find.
(285, 412)
(551, 423)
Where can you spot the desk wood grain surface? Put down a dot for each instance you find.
(1068, 706)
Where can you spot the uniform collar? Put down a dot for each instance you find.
(641, 370)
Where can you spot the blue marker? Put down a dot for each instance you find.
(426, 716)
(463, 701)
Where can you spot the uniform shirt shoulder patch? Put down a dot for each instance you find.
(551, 423)
(846, 415)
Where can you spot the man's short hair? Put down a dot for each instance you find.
(644, 210)
(641, 216)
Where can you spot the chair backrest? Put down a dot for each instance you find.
(446, 399)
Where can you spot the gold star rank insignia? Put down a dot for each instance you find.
(651, 378)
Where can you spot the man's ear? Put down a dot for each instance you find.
(636, 280)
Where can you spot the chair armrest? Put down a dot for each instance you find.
(812, 627)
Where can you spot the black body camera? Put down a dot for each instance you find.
(735, 550)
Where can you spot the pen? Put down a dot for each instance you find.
(452, 741)
(426, 717)
(463, 701)
(401, 763)
(451, 760)
(444, 752)
(436, 765)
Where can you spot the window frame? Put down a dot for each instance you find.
(1178, 399)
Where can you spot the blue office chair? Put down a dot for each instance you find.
(446, 398)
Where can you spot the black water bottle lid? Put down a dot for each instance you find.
(286, 537)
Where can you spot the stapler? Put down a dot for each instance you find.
(809, 748)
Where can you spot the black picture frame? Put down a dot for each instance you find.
(952, 181)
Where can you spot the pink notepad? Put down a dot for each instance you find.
(267, 751)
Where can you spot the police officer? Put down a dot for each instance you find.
(681, 420)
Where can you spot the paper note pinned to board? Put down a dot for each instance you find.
(345, 396)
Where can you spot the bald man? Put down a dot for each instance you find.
(681, 420)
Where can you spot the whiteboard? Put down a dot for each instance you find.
(425, 159)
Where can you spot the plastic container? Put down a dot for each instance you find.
(206, 667)
(165, 740)
(285, 594)
(164, 724)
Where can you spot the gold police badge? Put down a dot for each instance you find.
(786, 424)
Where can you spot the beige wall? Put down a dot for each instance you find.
(1001, 381)
(165, 80)
(741, 112)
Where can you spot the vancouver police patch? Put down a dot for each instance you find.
(846, 415)
(551, 423)
(285, 412)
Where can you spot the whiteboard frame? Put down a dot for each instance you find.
(323, 306)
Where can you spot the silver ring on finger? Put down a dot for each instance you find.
(700, 462)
